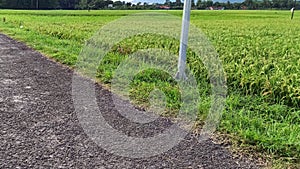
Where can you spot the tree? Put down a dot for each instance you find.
(167, 2)
(193, 4)
(217, 4)
(37, 4)
(128, 4)
(276, 4)
(47, 4)
(249, 4)
(68, 4)
(290, 4)
(266, 4)
(118, 4)
(198, 4)
(83, 4)
(209, 3)
(228, 5)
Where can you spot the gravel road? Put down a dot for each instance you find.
(40, 129)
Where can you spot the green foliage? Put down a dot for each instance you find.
(271, 127)
(30, 4)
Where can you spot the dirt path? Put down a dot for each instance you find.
(39, 127)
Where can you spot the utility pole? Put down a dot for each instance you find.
(293, 10)
(184, 40)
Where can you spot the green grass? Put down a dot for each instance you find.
(260, 52)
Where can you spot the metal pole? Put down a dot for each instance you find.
(37, 4)
(184, 40)
(293, 10)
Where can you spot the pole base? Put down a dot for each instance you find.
(180, 76)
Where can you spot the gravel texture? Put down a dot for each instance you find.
(40, 129)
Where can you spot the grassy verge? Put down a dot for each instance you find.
(260, 51)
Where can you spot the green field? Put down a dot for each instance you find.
(260, 51)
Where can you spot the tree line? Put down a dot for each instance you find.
(56, 4)
(109, 4)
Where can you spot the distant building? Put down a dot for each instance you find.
(164, 7)
(215, 8)
(110, 6)
(244, 7)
